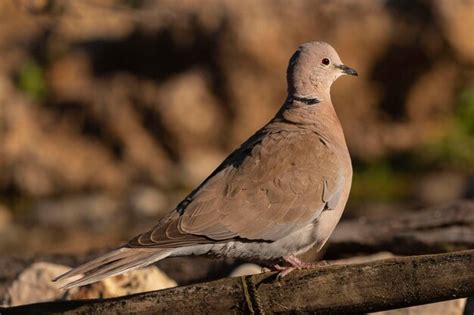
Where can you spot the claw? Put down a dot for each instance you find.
(296, 264)
(285, 272)
(279, 268)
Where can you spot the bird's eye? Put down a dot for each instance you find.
(325, 61)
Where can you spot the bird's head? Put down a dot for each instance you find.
(312, 70)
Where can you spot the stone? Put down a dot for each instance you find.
(139, 280)
(451, 307)
(245, 270)
(33, 285)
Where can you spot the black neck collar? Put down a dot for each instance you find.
(306, 100)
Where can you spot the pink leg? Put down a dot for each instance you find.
(296, 264)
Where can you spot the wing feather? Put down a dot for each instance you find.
(276, 183)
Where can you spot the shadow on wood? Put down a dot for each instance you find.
(379, 285)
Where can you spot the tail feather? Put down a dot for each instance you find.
(113, 263)
(92, 264)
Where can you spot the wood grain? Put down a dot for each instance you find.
(375, 286)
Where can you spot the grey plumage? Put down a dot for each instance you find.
(281, 192)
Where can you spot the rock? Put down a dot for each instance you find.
(246, 269)
(34, 285)
(135, 281)
(452, 307)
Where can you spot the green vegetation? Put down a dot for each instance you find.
(379, 181)
(455, 150)
(31, 80)
(391, 179)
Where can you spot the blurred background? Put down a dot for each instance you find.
(112, 110)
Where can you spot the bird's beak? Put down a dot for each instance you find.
(347, 70)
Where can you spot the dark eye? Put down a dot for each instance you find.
(325, 61)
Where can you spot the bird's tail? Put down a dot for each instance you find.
(113, 263)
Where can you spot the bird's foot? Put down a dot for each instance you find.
(283, 270)
(296, 264)
(299, 264)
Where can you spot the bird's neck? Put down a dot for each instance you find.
(319, 117)
(309, 89)
(308, 100)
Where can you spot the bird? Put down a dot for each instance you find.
(279, 194)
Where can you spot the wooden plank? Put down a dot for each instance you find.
(375, 286)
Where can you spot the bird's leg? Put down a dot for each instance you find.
(296, 264)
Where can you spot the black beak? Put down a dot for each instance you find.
(347, 70)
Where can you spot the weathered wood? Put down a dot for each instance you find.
(442, 229)
(374, 286)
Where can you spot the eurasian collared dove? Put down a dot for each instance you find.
(280, 193)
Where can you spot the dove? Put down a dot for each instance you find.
(279, 194)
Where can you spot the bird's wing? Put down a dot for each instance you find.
(276, 183)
